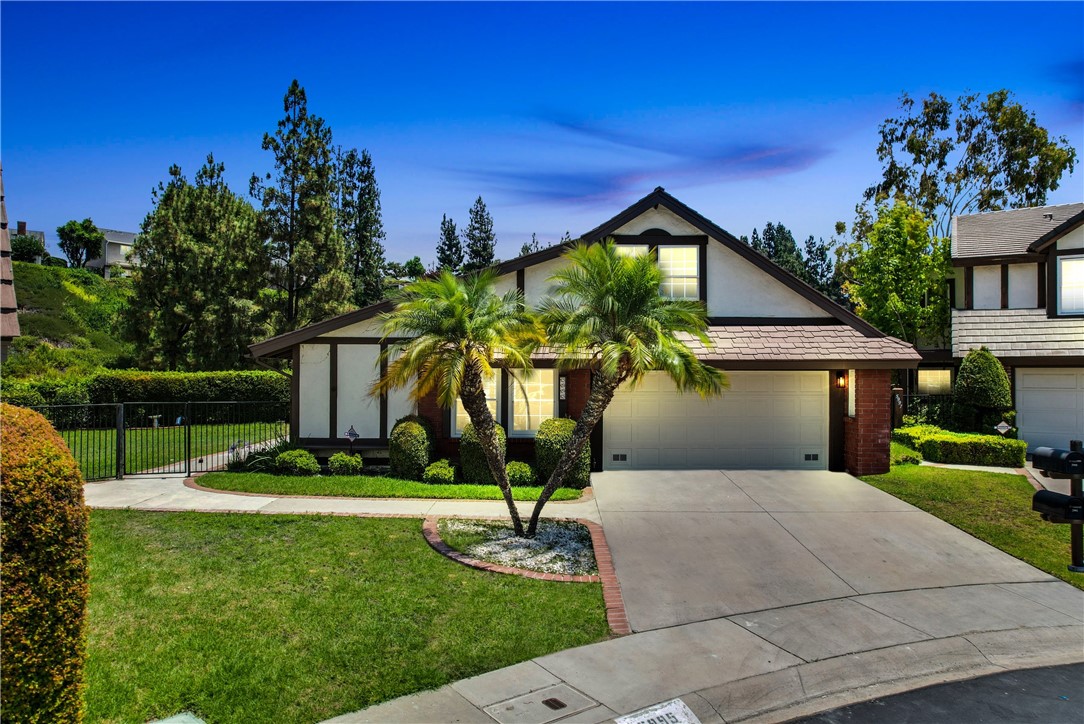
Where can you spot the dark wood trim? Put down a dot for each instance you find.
(935, 356)
(951, 289)
(996, 259)
(773, 321)
(702, 272)
(1057, 232)
(1042, 285)
(969, 288)
(356, 340)
(333, 390)
(837, 410)
(295, 396)
(342, 442)
(504, 401)
(384, 396)
(521, 280)
(1046, 361)
(1004, 286)
(655, 241)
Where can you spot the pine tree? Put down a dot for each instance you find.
(530, 247)
(298, 217)
(450, 247)
(481, 243)
(202, 267)
(360, 223)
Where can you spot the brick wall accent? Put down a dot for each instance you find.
(866, 435)
(577, 391)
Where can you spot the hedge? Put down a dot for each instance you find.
(112, 386)
(550, 443)
(942, 446)
(472, 461)
(43, 603)
(408, 450)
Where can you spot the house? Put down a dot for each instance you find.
(810, 381)
(9, 311)
(117, 252)
(1019, 290)
(21, 230)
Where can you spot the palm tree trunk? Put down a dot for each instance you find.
(602, 392)
(473, 395)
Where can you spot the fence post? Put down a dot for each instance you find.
(120, 440)
(187, 438)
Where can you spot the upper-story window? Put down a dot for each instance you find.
(631, 249)
(1071, 284)
(680, 267)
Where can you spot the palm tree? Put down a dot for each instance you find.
(461, 329)
(605, 313)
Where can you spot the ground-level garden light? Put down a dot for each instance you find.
(351, 435)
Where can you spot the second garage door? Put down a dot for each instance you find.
(1050, 405)
(765, 420)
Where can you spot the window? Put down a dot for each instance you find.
(460, 420)
(680, 271)
(850, 393)
(934, 382)
(534, 399)
(1071, 285)
(631, 249)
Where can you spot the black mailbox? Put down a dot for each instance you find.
(1053, 460)
(1058, 508)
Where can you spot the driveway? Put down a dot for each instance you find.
(696, 545)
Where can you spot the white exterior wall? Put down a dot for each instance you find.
(536, 279)
(505, 283)
(1073, 240)
(1023, 286)
(737, 288)
(660, 218)
(358, 368)
(987, 289)
(315, 390)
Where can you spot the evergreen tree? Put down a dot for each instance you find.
(202, 267)
(361, 225)
(450, 247)
(820, 268)
(530, 247)
(80, 241)
(481, 243)
(298, 218)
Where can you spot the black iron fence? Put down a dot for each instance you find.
(155, 438)
(924, 409)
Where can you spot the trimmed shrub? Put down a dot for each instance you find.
(442, 472)
(427, 426)
(550, 442)
(519, 473)
(133, 386)
(297, 462)
(982, 388)
(408, 450)
(43, 602)
(942, 446)
(472, 461)
(342, 464)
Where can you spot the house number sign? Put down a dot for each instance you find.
(669, 712)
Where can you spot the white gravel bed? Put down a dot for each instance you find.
(559, 546)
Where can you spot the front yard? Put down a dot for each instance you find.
(993, 507)
(242, 618)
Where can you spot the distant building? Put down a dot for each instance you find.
(21, 230)
(117, 252)
(9, 311)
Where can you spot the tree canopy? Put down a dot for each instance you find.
(481, 242)
(360, 222)
(80, 241)
(450, 246)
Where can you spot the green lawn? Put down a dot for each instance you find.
(246, 618)
(366, 486)
(149, 448)
(993, 507)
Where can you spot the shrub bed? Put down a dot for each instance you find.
(472, 461)
(43, 602)
(942, 446)
(551, 441)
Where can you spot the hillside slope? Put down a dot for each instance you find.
(70, 322)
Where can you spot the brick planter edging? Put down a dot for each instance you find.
(611, 589)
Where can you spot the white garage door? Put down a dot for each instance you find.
(1050, 406)
(765, 420)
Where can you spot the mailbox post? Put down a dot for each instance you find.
(1058, 508)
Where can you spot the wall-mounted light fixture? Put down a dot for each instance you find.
(841, 379)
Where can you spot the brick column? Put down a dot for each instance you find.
(866, 435)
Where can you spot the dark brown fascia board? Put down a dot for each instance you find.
(997, 260)
(277, 346)
(1057, 232)
(1016, 362)
(659, 197)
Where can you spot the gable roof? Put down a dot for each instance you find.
(276, 346)
(1015, 232)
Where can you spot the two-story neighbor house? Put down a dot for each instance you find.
(1019, 290)
(116, 252)
(810, 381)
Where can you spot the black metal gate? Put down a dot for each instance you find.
(162, 438)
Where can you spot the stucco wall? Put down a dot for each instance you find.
(315, 390)
(357, 368)
(737, 288)
(364, 328)
(987, 289)
(1023, 286)
(1073, 240)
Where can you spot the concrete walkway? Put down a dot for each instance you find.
(754, 596)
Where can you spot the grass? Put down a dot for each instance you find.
(900, 452)
(242, 618)
(367, 486)
(149, 448)
(993, 507)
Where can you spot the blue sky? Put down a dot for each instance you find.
(559, 115)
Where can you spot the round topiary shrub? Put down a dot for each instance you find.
(519, 473)
(430, 436)
(550, 442)
(43, 603)
(408, 450)
(342, 464)
(442, 472)
(297, 462)
(982, 388)
(472, 461)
